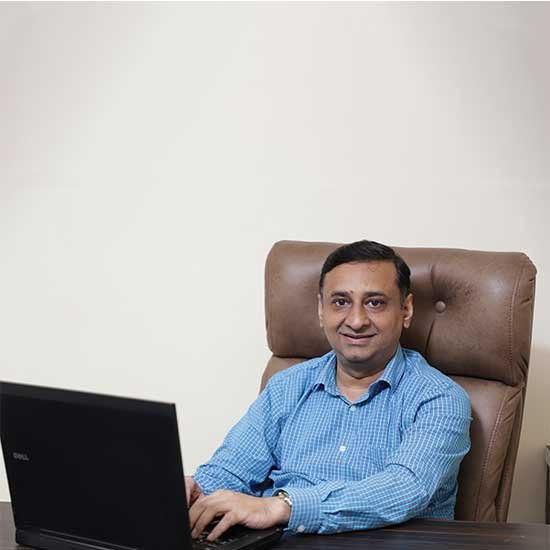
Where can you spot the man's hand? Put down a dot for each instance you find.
(192, 491)
(236, 508)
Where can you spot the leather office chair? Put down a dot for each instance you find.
(472, 320)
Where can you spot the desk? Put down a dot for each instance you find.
(416, 534)
(430, 534)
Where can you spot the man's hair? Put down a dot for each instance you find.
(368, 251)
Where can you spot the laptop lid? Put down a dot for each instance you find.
(93, 471)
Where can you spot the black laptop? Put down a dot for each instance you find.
(95, 472)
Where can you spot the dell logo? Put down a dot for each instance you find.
(21, 456)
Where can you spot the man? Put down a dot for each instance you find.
(365, 436)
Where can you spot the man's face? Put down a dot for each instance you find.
(362, 315)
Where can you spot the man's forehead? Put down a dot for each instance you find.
(359, 276)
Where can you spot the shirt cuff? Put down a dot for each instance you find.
(305, 516)
(205, 482)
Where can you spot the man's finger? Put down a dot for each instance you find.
(196, 510)
(190, 490)
(225, 523)
(217, 501)
(202, 522)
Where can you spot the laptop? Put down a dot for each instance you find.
(97, 472)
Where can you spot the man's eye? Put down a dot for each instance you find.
(376, 304)
(340, 302)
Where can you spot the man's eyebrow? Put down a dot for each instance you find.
(368, 294)
(372, 293)
(339, 293)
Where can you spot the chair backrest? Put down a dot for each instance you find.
(473, 314)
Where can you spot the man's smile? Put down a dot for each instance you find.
(355, 339)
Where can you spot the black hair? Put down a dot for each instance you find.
(368, 251)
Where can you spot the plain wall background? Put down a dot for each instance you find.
(150, 155)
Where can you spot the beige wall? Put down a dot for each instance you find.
(151, 154)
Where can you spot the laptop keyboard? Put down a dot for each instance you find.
(233, 534)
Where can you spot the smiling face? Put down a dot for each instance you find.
(362, 315)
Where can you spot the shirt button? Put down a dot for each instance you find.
(301, 529)
(342, 448)
(353, 408)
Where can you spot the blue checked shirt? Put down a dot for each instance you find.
(391, 455)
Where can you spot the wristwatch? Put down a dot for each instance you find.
(283, 495)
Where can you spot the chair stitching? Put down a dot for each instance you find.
(511, 321)
(433, 318)
(506, 472)
(486, 460)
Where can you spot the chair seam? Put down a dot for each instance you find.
(511, 321)
(486, 460)
(518, 411)
(433, 318)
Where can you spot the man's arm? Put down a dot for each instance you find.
(429, 454)
(246, 456)
(227, 486)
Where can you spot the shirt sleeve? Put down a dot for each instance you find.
(245, 458)
(429, 455)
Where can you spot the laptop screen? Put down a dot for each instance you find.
(94, 468)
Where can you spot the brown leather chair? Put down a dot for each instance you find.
(472, 320)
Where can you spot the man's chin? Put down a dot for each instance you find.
(357, 358)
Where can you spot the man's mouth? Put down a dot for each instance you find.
(357, 338)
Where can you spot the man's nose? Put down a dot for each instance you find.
(357, 318)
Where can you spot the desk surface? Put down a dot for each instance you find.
(416, 534)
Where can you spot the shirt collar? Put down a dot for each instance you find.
(391, 376)
(327, 374)
(394, 369)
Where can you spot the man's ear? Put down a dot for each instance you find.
(408, 311)
(320, 309)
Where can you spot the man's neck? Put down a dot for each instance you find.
(352, 386)
(353, 381)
